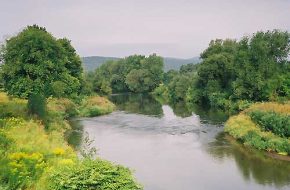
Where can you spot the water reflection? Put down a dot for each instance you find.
(75, 135)
(252, 164)
(147, 105)
(137, 103)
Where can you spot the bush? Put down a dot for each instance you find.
(63, 107)
(12, 107)
(22, 169)
(279, 124)
(95, 106)
(161, 91)
(92, 174)
(246, 131)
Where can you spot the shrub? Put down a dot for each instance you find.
(91, 174)
(246, 131)
(161, 91)
(62, 107)
(279, 124)
(5, 143)
(23, 169)
(95, 106)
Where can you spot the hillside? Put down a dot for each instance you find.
(93, 62)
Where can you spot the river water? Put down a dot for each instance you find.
(177, 147)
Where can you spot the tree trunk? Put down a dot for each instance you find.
(37, 105)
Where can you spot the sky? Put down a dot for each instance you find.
(171, 28)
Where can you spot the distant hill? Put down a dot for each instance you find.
(175, 63)
(93, 62)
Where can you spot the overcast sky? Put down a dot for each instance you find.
(175, 28)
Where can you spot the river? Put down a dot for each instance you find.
(177, 147)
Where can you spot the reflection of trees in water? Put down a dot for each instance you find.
(180, 109)
(74, 136)
(206, 114)
(137, 103)
(251, 163)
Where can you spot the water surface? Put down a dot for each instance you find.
(178, 147)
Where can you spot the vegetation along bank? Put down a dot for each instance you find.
(43, 86)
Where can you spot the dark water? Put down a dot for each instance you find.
(178, 147)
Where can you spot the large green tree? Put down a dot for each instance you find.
(262, 66)
(37, 65)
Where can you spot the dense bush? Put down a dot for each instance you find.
(92, 174)
(245, 130)
(270, 115)
(270, 121)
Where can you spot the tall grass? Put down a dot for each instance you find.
(37, 158)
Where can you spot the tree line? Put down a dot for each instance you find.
(135, 73)
(255, 68)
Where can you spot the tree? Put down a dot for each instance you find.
(139, 80)
(37, 65)
(178, 87)
(262, 66)
(154, 64)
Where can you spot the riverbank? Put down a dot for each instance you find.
(264, 126)
(36, 156)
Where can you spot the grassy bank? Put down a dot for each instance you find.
(264, 126)
(36, 156)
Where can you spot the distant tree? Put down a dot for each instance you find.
(154, 64)
(169, 75)
(135, 73)
(178, 87)
(139, 80)
(188, 68)
(37, 65)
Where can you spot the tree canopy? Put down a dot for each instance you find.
(135, 73)
(37, 66)
(255, 68)
(37, 63)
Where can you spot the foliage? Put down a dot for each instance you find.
(161, 91)
(12, 107)
(262, 66)
(30, 153)
(37, 64)
(135, 73)
(232, 73)
(95, 106)
(92, 174)
(270, 121)
(177, 88)
(245, 130)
